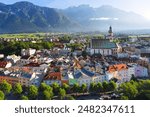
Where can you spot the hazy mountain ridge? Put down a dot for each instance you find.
(27, 17)
(99, 18)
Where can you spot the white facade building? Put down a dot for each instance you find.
(102, 46)
(29, 52)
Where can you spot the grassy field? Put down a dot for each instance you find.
(24, 35)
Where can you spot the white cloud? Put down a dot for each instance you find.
(103, 19)
(115, 18)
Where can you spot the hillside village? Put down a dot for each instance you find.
(98, 60)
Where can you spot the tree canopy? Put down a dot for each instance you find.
(5, 87)
(17, 89)
(62, 93)
(33, 92)
(23, 97)
(129, 90)
(83, 88)
(15, 47)
(55, 87)
(2, 95)
(47, 95)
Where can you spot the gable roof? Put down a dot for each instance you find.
(77, 75)
(88, 73)
(117, 67)
(102, 44)
(53, 76)
(3, 64)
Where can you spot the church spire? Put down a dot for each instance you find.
(110, 31)
(110, 34)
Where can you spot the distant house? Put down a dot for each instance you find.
(5, 64)
(122, 55)
(28, 52)
(83, 76)
(22, 77)
(72, 41)
(36, 67)
(119, 71)
(140, 71)
(13, 58)
(52, 77)
(26, 60)
(1, 56)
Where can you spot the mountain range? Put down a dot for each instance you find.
(27, 17)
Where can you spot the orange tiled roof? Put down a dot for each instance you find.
(117, 67)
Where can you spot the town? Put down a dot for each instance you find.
(69, 66)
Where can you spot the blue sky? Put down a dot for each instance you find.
(138, 6)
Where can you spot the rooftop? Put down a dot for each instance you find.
(87, 72)
(117, 67)
(77, 75)
(53, 76)
(3, 64)
(102, 44)
(33, 65)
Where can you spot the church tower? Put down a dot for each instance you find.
(110, 32)
(110, 35)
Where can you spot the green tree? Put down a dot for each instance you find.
(124, 98)
(43, 86)
(66, 87)
(74, 46)
(47, 45)
(2, 95)
(92, 88)
(55, 87)
(5, 87)
(49, 88)
(46, 91)
(62, 93)
(23, 97)
(143, 95)
(65, 38)
(112, 86)
(145, 85)
(99, 87)
(17, 89)
(47, 95)
(83, 88)
(1, 46)
(129, 90)
(76, 88)
(105, 86)
(33, 92)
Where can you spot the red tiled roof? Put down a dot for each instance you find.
(53, 76)
(32, 65)
(3, 64)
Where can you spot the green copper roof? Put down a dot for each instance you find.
(102, 44)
